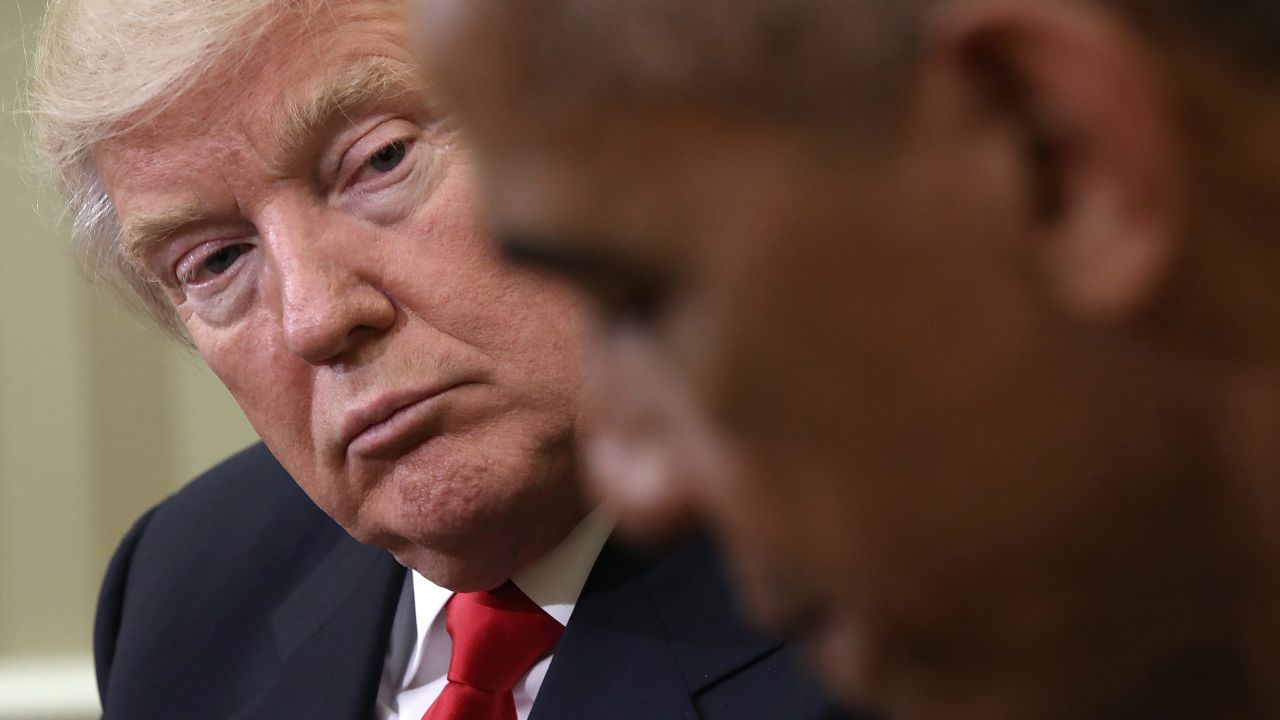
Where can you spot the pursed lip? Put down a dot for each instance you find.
(372, 427)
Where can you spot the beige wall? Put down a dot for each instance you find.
(100, 417)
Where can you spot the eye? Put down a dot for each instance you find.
(384, 167)
(388, 157)
(202, 265)
(220, 261)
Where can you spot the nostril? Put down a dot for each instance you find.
(306, 334)
(322, 326)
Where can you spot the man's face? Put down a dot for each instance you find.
(315, 226)
(828, 341)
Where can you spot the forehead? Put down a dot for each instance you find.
(261, 100)
(307, 55)
(259, 113)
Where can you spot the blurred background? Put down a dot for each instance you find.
(100, 418)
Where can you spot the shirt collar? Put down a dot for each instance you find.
(554, 581)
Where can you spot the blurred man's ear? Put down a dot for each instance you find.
(1085, 94)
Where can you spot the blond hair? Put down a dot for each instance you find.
(104, 66)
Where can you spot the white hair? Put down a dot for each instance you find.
(104, 66)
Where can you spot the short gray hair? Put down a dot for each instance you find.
(780, 57)
(103, 66)
(794, 57)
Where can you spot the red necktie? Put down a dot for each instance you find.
(497, 636)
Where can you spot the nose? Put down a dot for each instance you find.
(649, 454)
(327, 277)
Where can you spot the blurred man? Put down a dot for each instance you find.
(957, 317)
(271, 180)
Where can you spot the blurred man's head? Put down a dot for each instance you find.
(272, 181)
(956, 317)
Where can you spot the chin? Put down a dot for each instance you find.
(468, 522)
(451, 518)
(459, 552)
(459, 574)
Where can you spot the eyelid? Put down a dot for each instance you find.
(190, 262)
(357, 156)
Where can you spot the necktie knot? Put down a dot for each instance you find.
(497, 637)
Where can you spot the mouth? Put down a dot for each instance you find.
(393, 423)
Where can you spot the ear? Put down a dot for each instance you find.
(1100, 143)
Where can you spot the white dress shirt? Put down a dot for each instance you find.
(414, 673)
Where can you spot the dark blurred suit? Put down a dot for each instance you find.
(237, 598)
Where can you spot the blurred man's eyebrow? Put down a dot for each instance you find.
(555, 253)
(579, 260)
(146, 230)
(338, 94)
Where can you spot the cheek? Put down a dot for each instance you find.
(446, 270)
(534, 330)
(548, 328)
(775, 370)
(271, 386)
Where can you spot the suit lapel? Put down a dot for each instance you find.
(332, 635)
(708, 637)
(613, 661)
(645, 637)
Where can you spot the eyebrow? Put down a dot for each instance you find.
(295, 123)
(339, 94)
(578, 260)
(146, 230)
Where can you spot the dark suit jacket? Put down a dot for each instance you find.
(237, 598)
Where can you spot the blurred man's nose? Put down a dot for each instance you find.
(648, 453)
(327, 278)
